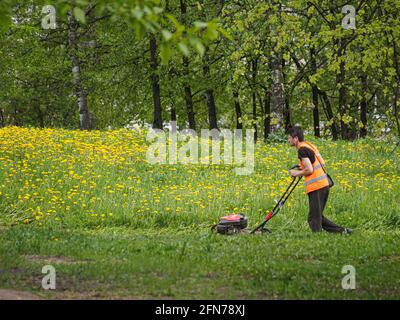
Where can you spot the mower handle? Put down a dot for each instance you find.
(280, 203)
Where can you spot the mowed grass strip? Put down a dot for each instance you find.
(196, 264)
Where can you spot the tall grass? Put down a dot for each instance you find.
(102, 179)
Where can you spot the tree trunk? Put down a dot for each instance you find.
(277, 98)
(209, 95)
(317, 131)
(16, 118)
(212, 114)
(238, 110)
(157, 111)
(189, 107)
(328, 107)
(364, 107)
(187, 88)
(39, 114)
(342, 90)
(286, 115)
(314, 89)
(1, 118)
(173, 113)
(254, 96)
(80, 93)
(287, 122)
(267, 115)
(254, 101)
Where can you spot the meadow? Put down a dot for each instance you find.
(115, 226)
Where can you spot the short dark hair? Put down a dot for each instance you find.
(296, 131)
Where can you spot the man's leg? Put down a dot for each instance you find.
(315, 211)
(328, 225)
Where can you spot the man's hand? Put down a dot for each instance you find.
(294, 173)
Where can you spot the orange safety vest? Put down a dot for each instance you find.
(318, 179)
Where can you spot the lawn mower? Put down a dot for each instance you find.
(237, 223)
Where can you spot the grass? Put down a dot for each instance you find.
(195, 264)
(115, 226)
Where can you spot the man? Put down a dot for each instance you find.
(316, 182)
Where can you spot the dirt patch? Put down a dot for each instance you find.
(8, 294)
(389, 259)
(93, 295)
(55, 259)
(13, 271)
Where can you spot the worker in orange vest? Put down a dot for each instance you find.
(316, 182)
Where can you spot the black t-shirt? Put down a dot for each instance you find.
(304, 152)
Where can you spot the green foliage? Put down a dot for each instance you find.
(229, 37)
(79, 14)
(279, 136)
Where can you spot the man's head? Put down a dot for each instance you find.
(295, 136)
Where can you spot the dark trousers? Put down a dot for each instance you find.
(317, 201)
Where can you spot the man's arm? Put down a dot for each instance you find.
(308, 169)
(322, 160)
